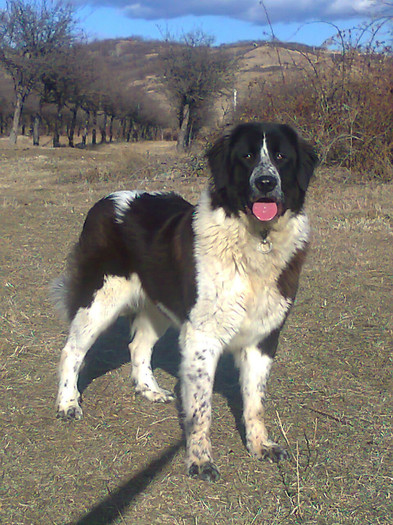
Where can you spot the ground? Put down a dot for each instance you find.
(330, 394)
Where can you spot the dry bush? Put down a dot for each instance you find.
(343, 102)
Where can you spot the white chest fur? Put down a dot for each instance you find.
(238, 297)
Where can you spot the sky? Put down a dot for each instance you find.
(304, 21)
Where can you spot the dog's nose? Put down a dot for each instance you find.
(266, 183)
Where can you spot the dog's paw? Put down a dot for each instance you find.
(267, 450)
(206, 471)
(156, 396)
(69, 413)
(274, 453)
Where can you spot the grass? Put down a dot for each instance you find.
(330, 394)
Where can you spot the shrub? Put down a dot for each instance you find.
(342, 101)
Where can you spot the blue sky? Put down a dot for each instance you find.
(306, 21)
(111, 23)
(226, 20)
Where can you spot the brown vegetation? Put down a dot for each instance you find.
(343, 101)
(131, 89)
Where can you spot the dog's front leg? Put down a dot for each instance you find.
(254, 364)
(200, 354)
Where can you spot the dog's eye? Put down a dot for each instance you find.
(279, 156)
(248, 156)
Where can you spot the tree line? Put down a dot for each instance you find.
(60, 86)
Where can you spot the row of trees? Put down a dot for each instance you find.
(342, 100)
(34, 37)
(49, 62)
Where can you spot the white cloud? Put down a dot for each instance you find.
(247, 10)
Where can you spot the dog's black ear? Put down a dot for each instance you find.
(307, 157)
(308, 161)
(218, 159)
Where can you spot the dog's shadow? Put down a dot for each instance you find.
(111, 351)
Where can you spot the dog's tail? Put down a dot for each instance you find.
(58, 294)
(61, 289)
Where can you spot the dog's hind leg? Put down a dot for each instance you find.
(146, 328)
(116, 294)
(84, 330)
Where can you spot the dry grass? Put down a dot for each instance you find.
(330, 391)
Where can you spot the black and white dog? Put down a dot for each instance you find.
(225, 272)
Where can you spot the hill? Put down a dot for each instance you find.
(135, 63)
(341, 100)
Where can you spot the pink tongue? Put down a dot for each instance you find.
(264, 211)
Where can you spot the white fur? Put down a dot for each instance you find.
(148, 326)
(238, 305)
(122, 200)
(254, 372)
(238, 299)
(266, 162)
(117, 296)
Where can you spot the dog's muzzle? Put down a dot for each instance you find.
(265, 196)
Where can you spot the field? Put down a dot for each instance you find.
(330, 394)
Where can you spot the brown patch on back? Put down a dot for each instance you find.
(288, 280)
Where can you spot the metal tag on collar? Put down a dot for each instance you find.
(265, 246)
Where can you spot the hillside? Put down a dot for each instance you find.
(340, 100)
(135, 63)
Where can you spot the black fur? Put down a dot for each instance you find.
(159, 260)
(231, 168)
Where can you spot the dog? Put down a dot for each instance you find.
(225, 272)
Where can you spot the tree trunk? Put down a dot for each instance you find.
(103, 128)
(130, 131)
(71, 130)
(124, 128)
(183, 138)
(111, 128)
(36, 129)
(94, 129)
(86, 129)
(15, 122)
(56, 133)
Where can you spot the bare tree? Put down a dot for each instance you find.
(68, 81)
(194, 73)
(31, 31)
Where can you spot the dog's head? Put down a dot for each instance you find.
(261, 169)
